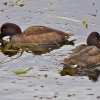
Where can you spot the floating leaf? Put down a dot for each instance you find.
(84, 23)
(21, 71)
(21, 5)
(5, 3)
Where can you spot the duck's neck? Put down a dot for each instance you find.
(16, 38)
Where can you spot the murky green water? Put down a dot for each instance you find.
(44, 82)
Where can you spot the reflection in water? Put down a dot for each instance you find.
(38, 49)
(91, 73)
(8, 48)
(11, 49)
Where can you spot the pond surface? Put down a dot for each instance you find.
(44, 81)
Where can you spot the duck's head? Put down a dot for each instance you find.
(9, 29)
(94, 39)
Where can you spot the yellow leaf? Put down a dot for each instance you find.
(21, 71)
(21, 5)
(83, 21)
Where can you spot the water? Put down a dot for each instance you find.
(44, 82)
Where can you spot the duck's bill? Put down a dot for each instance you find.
(1, 36)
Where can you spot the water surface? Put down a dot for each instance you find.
(44, 81)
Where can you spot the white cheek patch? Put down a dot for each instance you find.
(74, 66)
(6, 38)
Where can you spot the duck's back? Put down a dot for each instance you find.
(90, 55)
(45, 34)
(36, 30)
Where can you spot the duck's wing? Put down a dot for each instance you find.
(87, 56)
(78, 49)
(87, 50)
(36, 30)
(42, 34)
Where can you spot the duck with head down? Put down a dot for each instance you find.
(86, 55)
(33, 34)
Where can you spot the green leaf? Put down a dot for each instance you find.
(84, 23)
(21, 71)
(80, 21)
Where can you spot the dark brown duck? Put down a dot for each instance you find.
(86, 55)
(33, 34)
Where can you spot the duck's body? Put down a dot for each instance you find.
(40, 34)
(33, 34)
(86, 55)
(89, 56)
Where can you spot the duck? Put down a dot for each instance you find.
(86, 55)
(33, 34)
